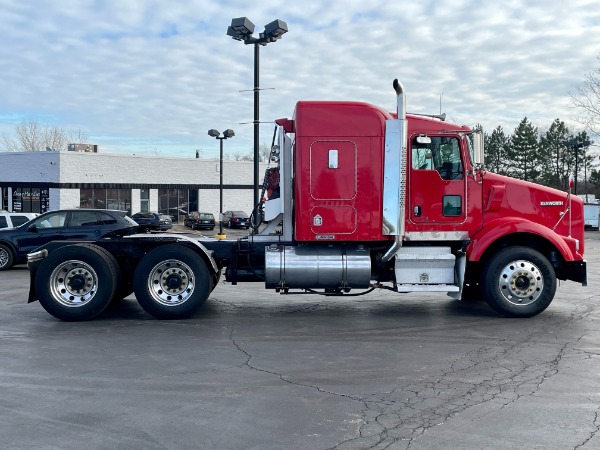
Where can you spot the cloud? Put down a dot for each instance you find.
(139, 75)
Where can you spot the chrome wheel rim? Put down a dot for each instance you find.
(171, 282)
(521, 282)
(3, 257)
(73, 283)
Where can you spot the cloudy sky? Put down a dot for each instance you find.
(152, 76)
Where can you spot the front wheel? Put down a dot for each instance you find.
(172, 282)
(519, 282)
(6, 257)
(76, 282)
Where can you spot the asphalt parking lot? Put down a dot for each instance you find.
(258, 370)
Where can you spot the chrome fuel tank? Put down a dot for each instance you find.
(312, 267)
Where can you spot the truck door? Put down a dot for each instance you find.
(436, 188)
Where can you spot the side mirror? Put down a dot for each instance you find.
(478, 150)
(32, 228)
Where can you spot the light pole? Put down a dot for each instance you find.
(226, 134)
(241, 29)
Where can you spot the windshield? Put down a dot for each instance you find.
(130, 220)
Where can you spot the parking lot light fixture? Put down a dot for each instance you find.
(241, 29)
(226, 135)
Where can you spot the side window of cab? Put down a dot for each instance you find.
(439, 153)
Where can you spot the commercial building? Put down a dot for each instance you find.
(50, 180)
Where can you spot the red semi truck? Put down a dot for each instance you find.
(360, 199)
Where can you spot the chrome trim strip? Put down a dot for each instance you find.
(436, 236)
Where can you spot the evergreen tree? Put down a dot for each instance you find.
(555, 155)
(594, 183)
(524, 155)
(497, 146)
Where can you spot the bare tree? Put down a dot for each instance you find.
(586, 99)
(265, 152)
(31, 136)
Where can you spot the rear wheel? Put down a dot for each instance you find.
(172, 282)
(123, 286)
(6, 257)
(76, 282)
(519, 282)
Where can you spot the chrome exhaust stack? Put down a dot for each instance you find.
(394, 170)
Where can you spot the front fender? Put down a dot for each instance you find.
(505, 226)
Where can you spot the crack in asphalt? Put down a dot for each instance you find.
(498, 374)
(594, 432)
(488, 374)
(280, 375)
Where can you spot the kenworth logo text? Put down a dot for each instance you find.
(555, 203)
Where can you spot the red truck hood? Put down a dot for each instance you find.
(505, 197)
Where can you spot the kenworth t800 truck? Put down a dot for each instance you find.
(360, 198)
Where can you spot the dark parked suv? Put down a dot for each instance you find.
(197, 220)
(236, 219)
(151, 221)
(65, 224)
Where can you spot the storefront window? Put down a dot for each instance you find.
(173, 202)
(17, 204)
(4, 198)
(145, 200)
(106, 199)
(45, 200)
(193, 200)
(26, 199)
(112, 199)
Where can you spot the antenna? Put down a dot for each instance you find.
(441, 97)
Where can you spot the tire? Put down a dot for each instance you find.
(518, 282)
(174, 267)
(7, 260)
(76, 282)
(123, 286)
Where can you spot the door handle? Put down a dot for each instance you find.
(417, 211)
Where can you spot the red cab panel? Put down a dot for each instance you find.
(338, 166)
